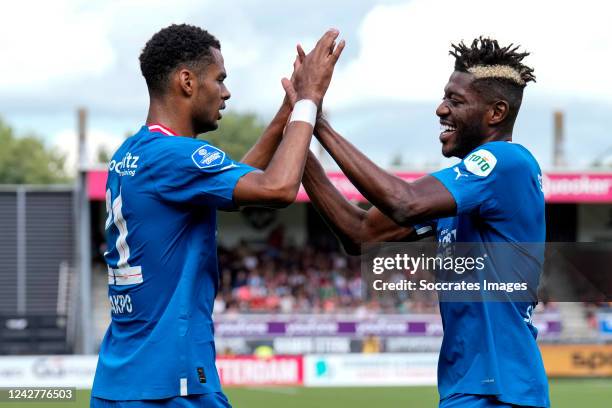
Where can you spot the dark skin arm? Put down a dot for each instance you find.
(278, 184)
(404, 203)
(352, 225)
(260, 154)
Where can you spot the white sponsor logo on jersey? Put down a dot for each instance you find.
(459, 173)
(446, 238)
(208, 156)
(481, 162)
(540, 182)
(126, 166)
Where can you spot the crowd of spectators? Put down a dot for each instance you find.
(290, 279)
(301, 280)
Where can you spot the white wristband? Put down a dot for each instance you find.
(304, 110)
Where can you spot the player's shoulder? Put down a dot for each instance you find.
(131, 143)
(188, 154)
(180, 144)
(500, 158)
(122, 154)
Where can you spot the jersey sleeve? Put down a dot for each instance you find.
(484, 182)
(196, 172)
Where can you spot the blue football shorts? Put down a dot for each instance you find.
(211, 400)
(475, 401)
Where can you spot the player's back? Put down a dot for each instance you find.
(489, 347)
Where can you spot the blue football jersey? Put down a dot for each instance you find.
(162, 195)
(490, 348)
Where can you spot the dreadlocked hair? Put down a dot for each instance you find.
(486, 59)
(499, 73)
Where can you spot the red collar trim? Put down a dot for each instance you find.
(156, 127)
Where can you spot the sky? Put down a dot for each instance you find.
(61, 55)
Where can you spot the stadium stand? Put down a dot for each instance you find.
(37, 295)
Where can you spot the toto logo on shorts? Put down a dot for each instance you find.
(208, 156)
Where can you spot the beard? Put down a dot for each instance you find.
(203, 126)
(467, 138)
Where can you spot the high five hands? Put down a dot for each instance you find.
(312, 72)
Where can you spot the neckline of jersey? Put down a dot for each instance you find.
(159, 128)
(483, 146)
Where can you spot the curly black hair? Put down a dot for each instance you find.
(488, 52)
(175, 45)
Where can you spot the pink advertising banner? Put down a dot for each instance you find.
(567, 187)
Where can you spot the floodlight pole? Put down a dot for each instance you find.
(559, 140)
(84, 238)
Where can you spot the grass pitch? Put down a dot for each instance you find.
(588, 393)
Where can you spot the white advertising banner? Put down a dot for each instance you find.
(47, 371)
(317, 370)
(253, 371)
(309, 345)
(370, 369)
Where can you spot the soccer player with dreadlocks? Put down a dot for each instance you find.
(489, 356)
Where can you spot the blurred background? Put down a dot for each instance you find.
(291, 324)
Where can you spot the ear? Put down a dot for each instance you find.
(498, 112)
(187, 81)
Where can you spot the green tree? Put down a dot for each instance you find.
(26, 160)
(103, 156)
(236, 134)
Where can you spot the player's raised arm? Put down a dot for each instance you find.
(278, 185)
(260, 154)
(352, 225)
(405, 203)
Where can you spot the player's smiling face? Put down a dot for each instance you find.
(462, 116)
(211, 94)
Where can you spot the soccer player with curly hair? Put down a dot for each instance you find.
(163, 190)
